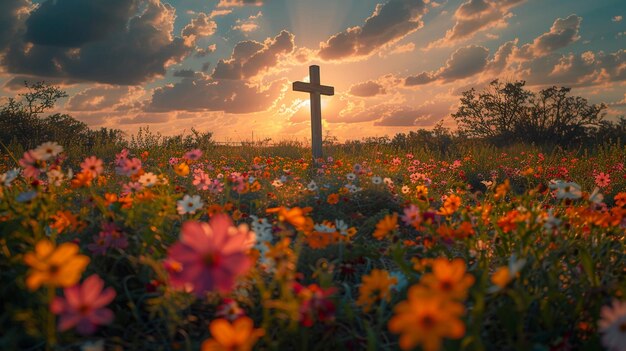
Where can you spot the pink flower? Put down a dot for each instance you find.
(30, 165)
(128, 167)
(209, 256)
(193, 155)
(603, 179)
(92, 164)
(201, 180)
(84, 306)
(412, 216)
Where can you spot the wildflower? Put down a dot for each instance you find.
(487, 183)
(312, 186)
(182, 169)
(230, 310)
(193, 155)
(602, 179)
(47, 151)
(565, 190)
(92, 164)
(84, 306)
(201, 180)
(502, 190)
(376, 180)
(421, 191)
(612, 326)
(351, 176)
(425, 319)
(449, 278)
(405, 189)
(315, 303)
(412, 216)
(148, 179)
(30, 164)
(82, 179)
(505, 274)
(63, 220)
(277, 183)
(386, 226)
(54, 266)
(55, 177)
(450, 205)
(332, 199)
(239, 335)
(375, 287)
(7, 178)
(620, 199)
(189, 204)
(26, 196)
(128, 167)
(295, 216)
(596, 197)
(210, 256)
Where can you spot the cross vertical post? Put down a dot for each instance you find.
(315, 90)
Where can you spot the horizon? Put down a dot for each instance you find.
(227, 66)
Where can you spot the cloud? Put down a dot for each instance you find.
(367, 89)
(129, 52)
(463, 63)
(146, 118)
(401, 49)
(200, 26)
(17, 82)
(249, 58)
(184, 73)
(502, 57)
(248, 25)
(562, 33)
(239, 3)
(206, 94)
(474, 16)
(389, 23)
(102, 98)
(617, 18)
(13, 14)
(205, 52)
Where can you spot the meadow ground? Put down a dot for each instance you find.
(234, 248)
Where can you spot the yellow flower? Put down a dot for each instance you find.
(450, 205)
(425, 318)
(449, 278)
(375, 287)
(182, 169)
(421, 191)
(385, 226)
(59, 266)
(502, 190)
(238, 336)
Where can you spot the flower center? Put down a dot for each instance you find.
(83, 309)
(428, 321)
(212, 259)
(446, 285)
(622, 327)
(54, 269)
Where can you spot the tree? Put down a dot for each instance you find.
(506, 112)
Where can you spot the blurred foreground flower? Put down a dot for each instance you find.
(210, 256)
(386, 226)
(84, 306)
(612, 325)
(375, 287)
(54, 266)
(238, 336)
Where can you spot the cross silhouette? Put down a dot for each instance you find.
(315, 89)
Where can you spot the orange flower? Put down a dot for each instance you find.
(386, 226)
(64, 220)
(59, 266)
(464, 230)
(450, 205)
(375, 287)
(109, 199)
(318, 240)
(425, 319)
(502, 190)
(182, 169)
(449, 279)
(238, 336)
(296, 216)
(620, 199)
(333, 199)
(82, 179)
(502, 277)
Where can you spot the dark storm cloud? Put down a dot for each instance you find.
(367, 89)
(184, 73)
(420, 79)
(250, 58)
(12, 16)
(389, 23)
(206, 94)
(131, 54)
(72, 23)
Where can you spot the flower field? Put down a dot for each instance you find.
(376, 250)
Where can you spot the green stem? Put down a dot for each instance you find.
(52, 336)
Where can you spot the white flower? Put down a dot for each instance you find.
(566, 190)
(551, 222)
(352, 188)
(351, 176)
(48, 150)
(388, 181)
(405, 189)
(148, 179)
(342, 227)
(596, 197)
(312, 186)
(55, 177)
(487, 183)
(7, 178)
(377, 180)
(322, 228)
(612, 325)
(189, 204)
(277, 183)
(251, 179)
(93, 346)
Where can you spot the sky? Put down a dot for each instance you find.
(226, 66)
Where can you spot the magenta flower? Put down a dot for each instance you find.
(209, 256)
(30, 164)
(193, 155)
(84, 306)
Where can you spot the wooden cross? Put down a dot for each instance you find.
(315, 89)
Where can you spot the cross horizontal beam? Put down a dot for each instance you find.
(314, 88)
